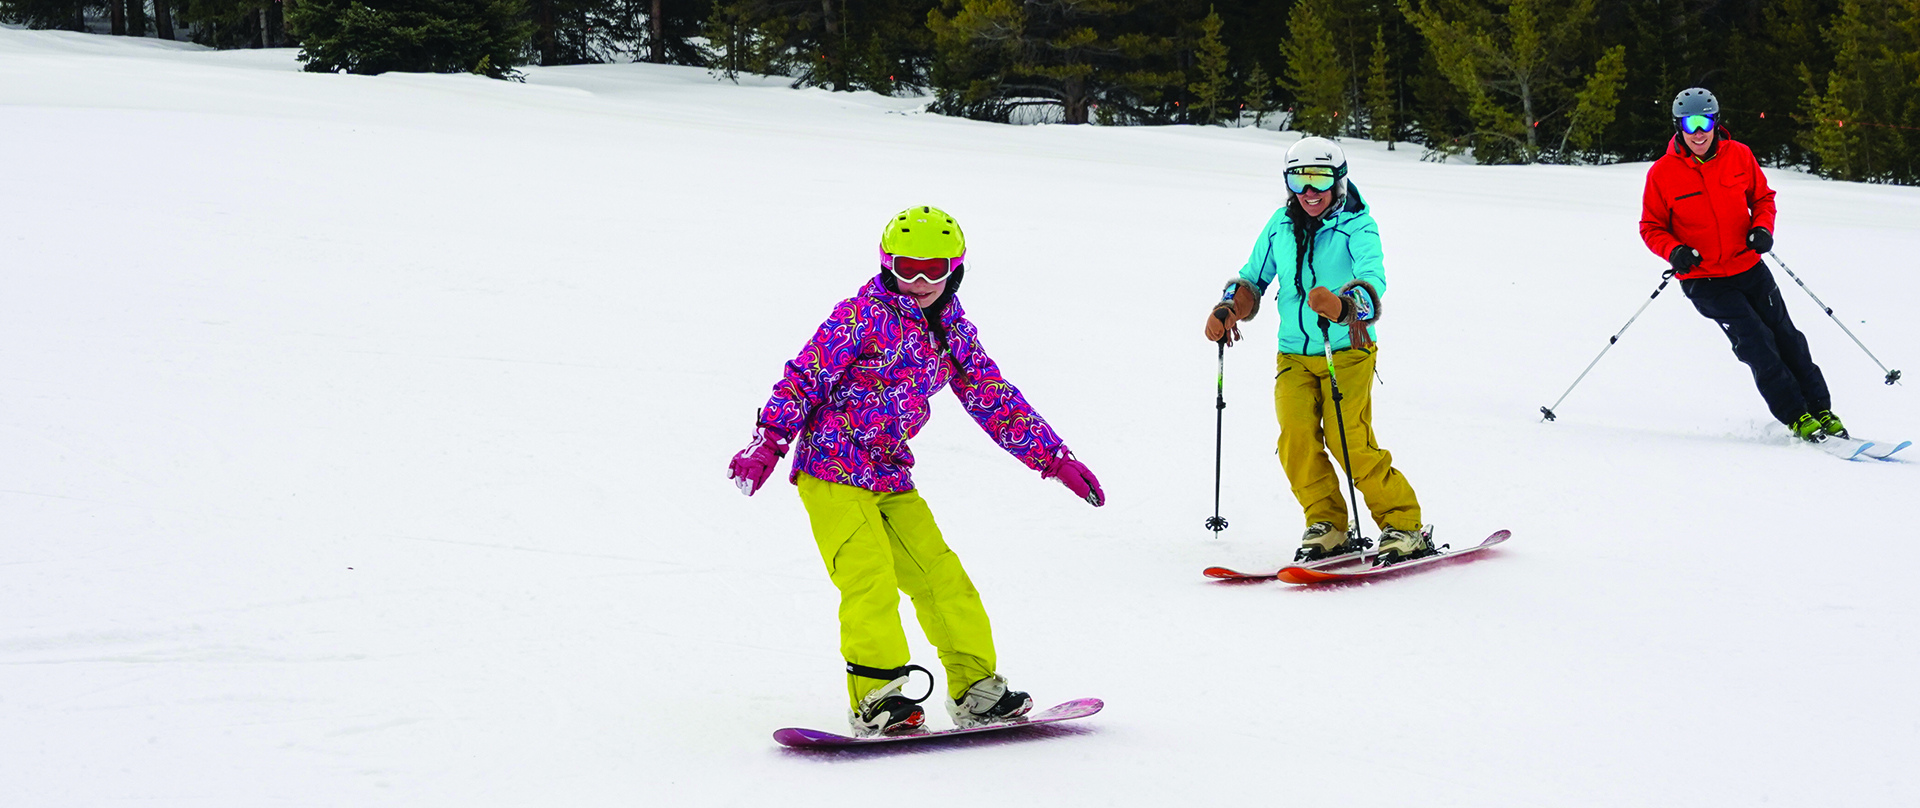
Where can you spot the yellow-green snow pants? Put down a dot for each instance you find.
(1303, 399)
(876, 546)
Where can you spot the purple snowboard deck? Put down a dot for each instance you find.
(1078, 708)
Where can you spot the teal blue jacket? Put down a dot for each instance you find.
(1346, 247)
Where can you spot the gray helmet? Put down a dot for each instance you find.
(1695, 101)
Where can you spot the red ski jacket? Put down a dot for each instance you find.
(1707, 205)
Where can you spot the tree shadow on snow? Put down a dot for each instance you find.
(934, 745)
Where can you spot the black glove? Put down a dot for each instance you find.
(1759, 240)
(1683, 258)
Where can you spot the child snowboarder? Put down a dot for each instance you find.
(1708, 211)
(851, 400)
(1322, 238)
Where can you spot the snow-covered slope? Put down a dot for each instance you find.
(364, 444)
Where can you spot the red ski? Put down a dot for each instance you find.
(1224, 574)
(1322, 575)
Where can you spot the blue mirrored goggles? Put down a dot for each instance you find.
(1318, 178)
(1695, 124)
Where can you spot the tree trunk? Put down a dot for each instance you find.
(137, 18)
(829, 46)
(260, 31)
(118, 13)
(1074, 99)
(657, 28)
(549, 50)
(163, 18)
(1532, 123)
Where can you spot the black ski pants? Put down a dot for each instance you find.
(1750, 311)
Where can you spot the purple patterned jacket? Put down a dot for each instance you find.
(859, 391)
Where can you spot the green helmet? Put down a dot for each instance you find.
(923, 232)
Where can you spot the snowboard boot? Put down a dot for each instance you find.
(1807, 428)
(988, 701)
(1398, 545)
(1323, 541)
(886, 711)
(1830, 423)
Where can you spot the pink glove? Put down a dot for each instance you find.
(1075, 476)
(751, 467)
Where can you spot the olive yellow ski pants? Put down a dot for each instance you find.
(876, 546)
(1303, 399)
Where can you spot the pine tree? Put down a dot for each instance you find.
(417, 36)
(1517, 67)
(43, 14)
(1863, 126)
(1826, 136)
(1211, 93)
(877, 66)
(1595, 103)
(1074, 53)
(1379, 92)
(1314, 72)
(1259, 100)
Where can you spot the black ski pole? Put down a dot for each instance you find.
(1547, 412)
(1340, 420)
(1217, 524)
(1892, 375)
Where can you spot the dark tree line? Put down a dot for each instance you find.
(1829, 84)
(217, 23)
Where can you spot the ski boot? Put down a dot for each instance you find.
(1398, 545)
(886, 711)
(988, 701)
(1807, 428)
(1830, 423)
(1322, 541)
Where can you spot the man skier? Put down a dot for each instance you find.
(1708, 211)
(850, 401)
(1324, 238)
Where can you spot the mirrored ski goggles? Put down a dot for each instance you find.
(908, 269)
(1695, 124)
(1318, 178)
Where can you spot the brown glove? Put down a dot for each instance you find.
(1241, 303)
(1338, 309)
(1329, 305)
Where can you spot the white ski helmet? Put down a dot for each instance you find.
(1319, 151)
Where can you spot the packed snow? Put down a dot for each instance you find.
(365, 444)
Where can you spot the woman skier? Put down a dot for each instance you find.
(1708, 211)
(850, 401)
(1323, 238)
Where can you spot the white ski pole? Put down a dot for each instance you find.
(1547, 412)
(1893, 376)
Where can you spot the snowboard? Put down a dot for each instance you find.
(1309, 575)
(1224, 574)
(813, 738)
